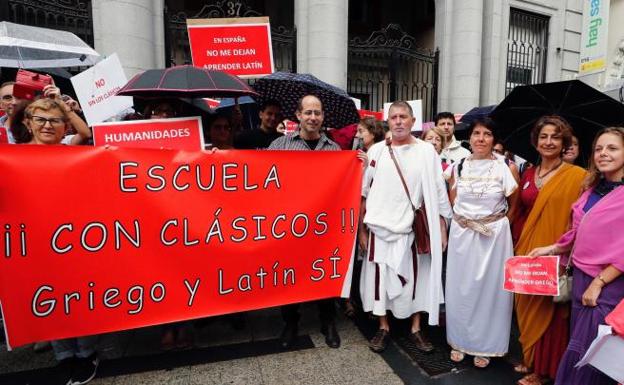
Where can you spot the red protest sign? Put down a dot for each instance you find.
(240, 46)
(371, 114)
(290, 126)
(212, 103)
(151, 237)
(174, 133)
(537, 276)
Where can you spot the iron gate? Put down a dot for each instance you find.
(176, 35)
(66, 15)
(388, 66)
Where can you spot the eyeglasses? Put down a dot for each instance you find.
(41, 121)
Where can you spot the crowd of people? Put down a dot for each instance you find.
(497, 210)
(438, 221)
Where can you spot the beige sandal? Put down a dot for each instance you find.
(457, 356)
(481, 362)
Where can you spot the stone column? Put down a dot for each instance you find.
(494, 53)
(459, 37)
(322, 39)
(133, 29)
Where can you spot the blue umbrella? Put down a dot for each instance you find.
(477, 113)
(249, 109)
(287, 88)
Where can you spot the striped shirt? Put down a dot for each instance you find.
(294, 141)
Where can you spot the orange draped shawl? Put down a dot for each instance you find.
(546, 222)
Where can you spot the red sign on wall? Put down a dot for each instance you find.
(152, 237)
(174, 133)
(538, 276)
(240, 46)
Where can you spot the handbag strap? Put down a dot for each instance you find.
(396, 164)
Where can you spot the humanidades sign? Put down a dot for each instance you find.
(96, 240)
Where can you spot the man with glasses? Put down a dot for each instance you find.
(310, 138)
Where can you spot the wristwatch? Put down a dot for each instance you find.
(602, 279)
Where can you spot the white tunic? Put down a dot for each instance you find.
(478, 310)
(387, 281)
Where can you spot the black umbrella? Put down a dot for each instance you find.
(585, 108)
(287, 88)
(185, 82)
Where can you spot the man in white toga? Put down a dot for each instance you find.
(394, 276)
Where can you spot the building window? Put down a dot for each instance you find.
(527, 48)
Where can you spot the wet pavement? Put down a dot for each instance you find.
(221, 354)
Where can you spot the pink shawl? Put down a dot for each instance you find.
(597, 234)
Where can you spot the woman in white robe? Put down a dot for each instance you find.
(483, 194)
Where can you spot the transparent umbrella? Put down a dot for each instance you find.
(23, 46)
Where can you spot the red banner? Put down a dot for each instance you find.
(537, 276)
(173, 133)
(97, 240)
(239, 46)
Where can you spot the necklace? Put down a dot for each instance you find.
(539, 179)
(473, 179)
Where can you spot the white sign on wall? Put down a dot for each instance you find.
(416, 107)
(96, 89)
(594, 36)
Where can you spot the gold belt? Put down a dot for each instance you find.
(479, 225)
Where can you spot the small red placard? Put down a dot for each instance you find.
(537, 275)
